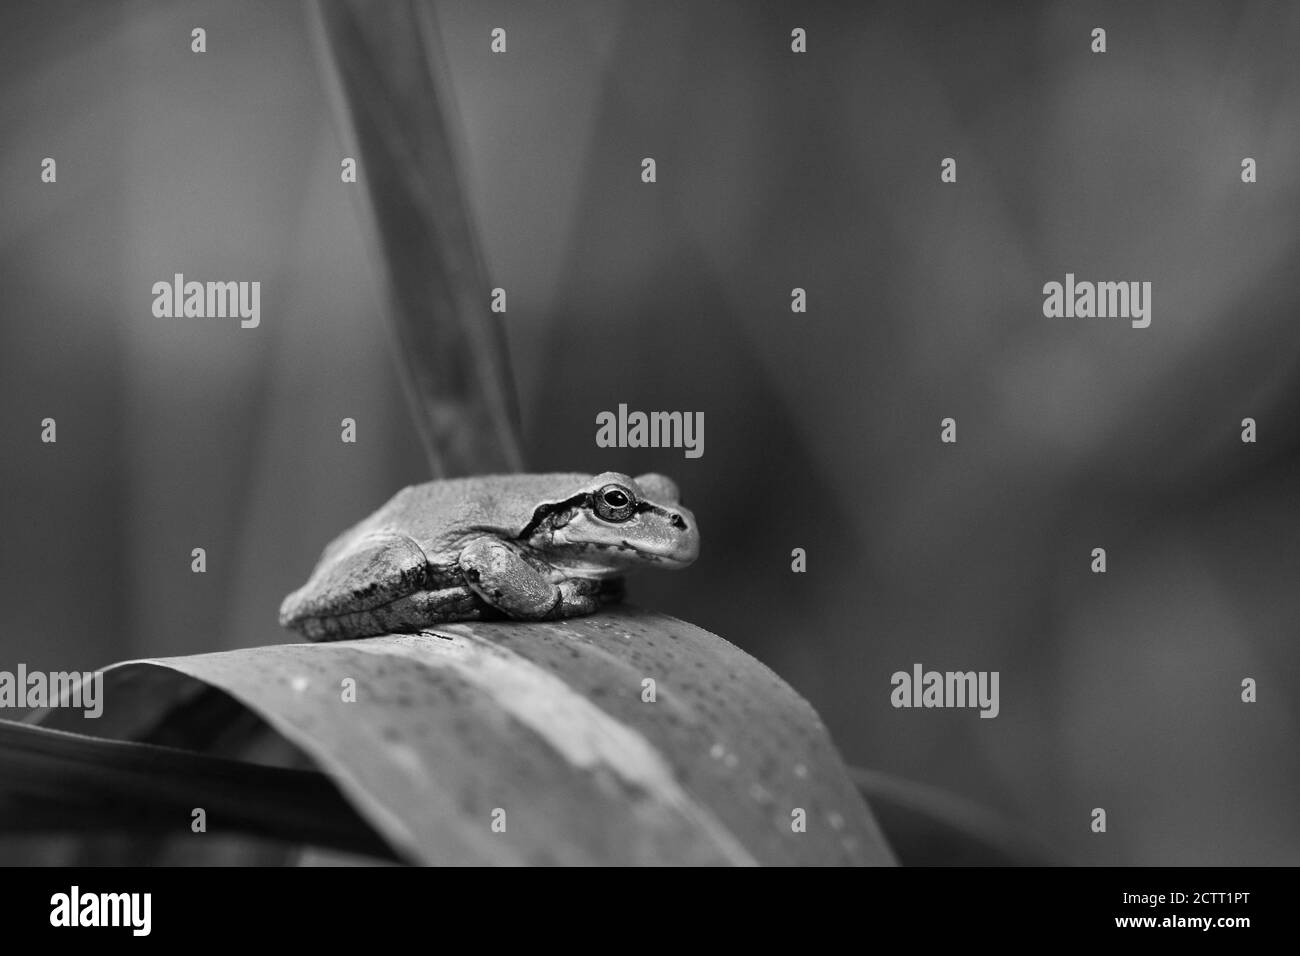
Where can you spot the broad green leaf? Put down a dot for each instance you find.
(545, 727)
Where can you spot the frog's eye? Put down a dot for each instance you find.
(614, 503)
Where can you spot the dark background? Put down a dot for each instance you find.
(822, 430)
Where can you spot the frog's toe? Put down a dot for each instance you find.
(582, 596)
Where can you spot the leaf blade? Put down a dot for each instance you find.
(547, 722)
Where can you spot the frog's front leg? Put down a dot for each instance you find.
(499, 575)
(502, 577)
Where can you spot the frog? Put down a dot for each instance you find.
(527, 547)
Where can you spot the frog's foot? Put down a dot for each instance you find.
(579, 596)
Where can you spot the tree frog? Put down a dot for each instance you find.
(530, 547)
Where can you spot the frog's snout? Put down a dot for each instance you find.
(679, 546)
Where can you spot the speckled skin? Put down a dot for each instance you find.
(524, 546)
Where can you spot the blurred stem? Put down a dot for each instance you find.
(384, 70)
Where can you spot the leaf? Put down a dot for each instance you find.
(386, 78)
(546, 722)
(928, 826)
(54, 780)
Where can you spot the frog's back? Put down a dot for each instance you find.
(440, 515)
(412, 543)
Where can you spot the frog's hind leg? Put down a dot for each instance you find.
(349, 587)
(407, 614)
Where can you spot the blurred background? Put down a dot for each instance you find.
(775, 170)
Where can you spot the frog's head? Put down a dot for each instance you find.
(613, 522)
